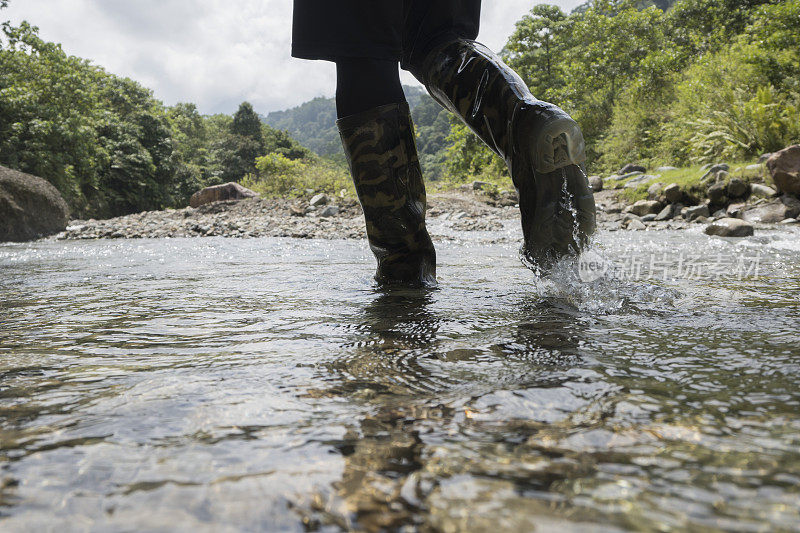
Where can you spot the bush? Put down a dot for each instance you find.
(279, 176)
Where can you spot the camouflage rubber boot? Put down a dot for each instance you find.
(382, 153)
(541, 144)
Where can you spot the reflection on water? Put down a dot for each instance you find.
(266, 384)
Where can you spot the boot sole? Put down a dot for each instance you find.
(559, 144)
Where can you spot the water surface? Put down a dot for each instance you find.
(265, 384)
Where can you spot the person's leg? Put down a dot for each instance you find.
(541, 144)
(364, 83)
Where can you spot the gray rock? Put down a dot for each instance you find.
(221, 193)
(757, 189)
(673, 193)
(667, 213)
(734, 210)
(329, 211)
(480, 185)
(757, 166)
(596, 183)
(629, 175)
(716, 193)
(30, 207)
(694, 212)
(790, 221)
(666, 169)
(649, 218)
(631, 167)
(640, 180)
(773, 212)
(719, 167)
(763, 158)
(721, 213)
(736, 188)
(654, 191)
(784, 166)
(646, 207)
(730, 227)
(635, 224)
(320, 199)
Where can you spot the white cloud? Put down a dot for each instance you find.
(215, 53)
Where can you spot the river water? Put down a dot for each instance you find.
(265, 384)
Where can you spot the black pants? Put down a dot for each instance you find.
(397, 30)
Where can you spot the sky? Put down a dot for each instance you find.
(215, 53)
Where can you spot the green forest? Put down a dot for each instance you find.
(678, 83)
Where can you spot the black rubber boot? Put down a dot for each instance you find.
(382, 153)
(541, 144)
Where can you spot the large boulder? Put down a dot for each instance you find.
(673, 193)
(30, 207)
(646, 207)
(220, 193)
(737, 188)
(773, 212)
(784, 166)
(730, 227)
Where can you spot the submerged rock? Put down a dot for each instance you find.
(30, 207)
(730, 227)
(221, 193)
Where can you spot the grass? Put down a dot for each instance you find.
(689, 180)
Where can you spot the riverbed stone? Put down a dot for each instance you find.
(220, 193)
(716, 193)
(646, 207)
(757, 189)
(730, 227)
(784, 167)
(736, 188)
(329, 211)
(636, 224)
(30, 207)
(596, 183)
(319, 200)
(673, 193)
(667, 213)
(696, 211)
(774, 211)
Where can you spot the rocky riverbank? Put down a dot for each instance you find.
(321, 217)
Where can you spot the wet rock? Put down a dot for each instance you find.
(774, 211)
(691, 213)
(319, 200)
(329, 211)
(730, 227)
(736, 188)
(716, 193)
(596, 183)
(673, 193)
(631, 167)
(645, 207)
(757, 189)
(221, 193)
(30, 207)
(784, 166)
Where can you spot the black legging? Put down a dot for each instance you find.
(363, 84)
